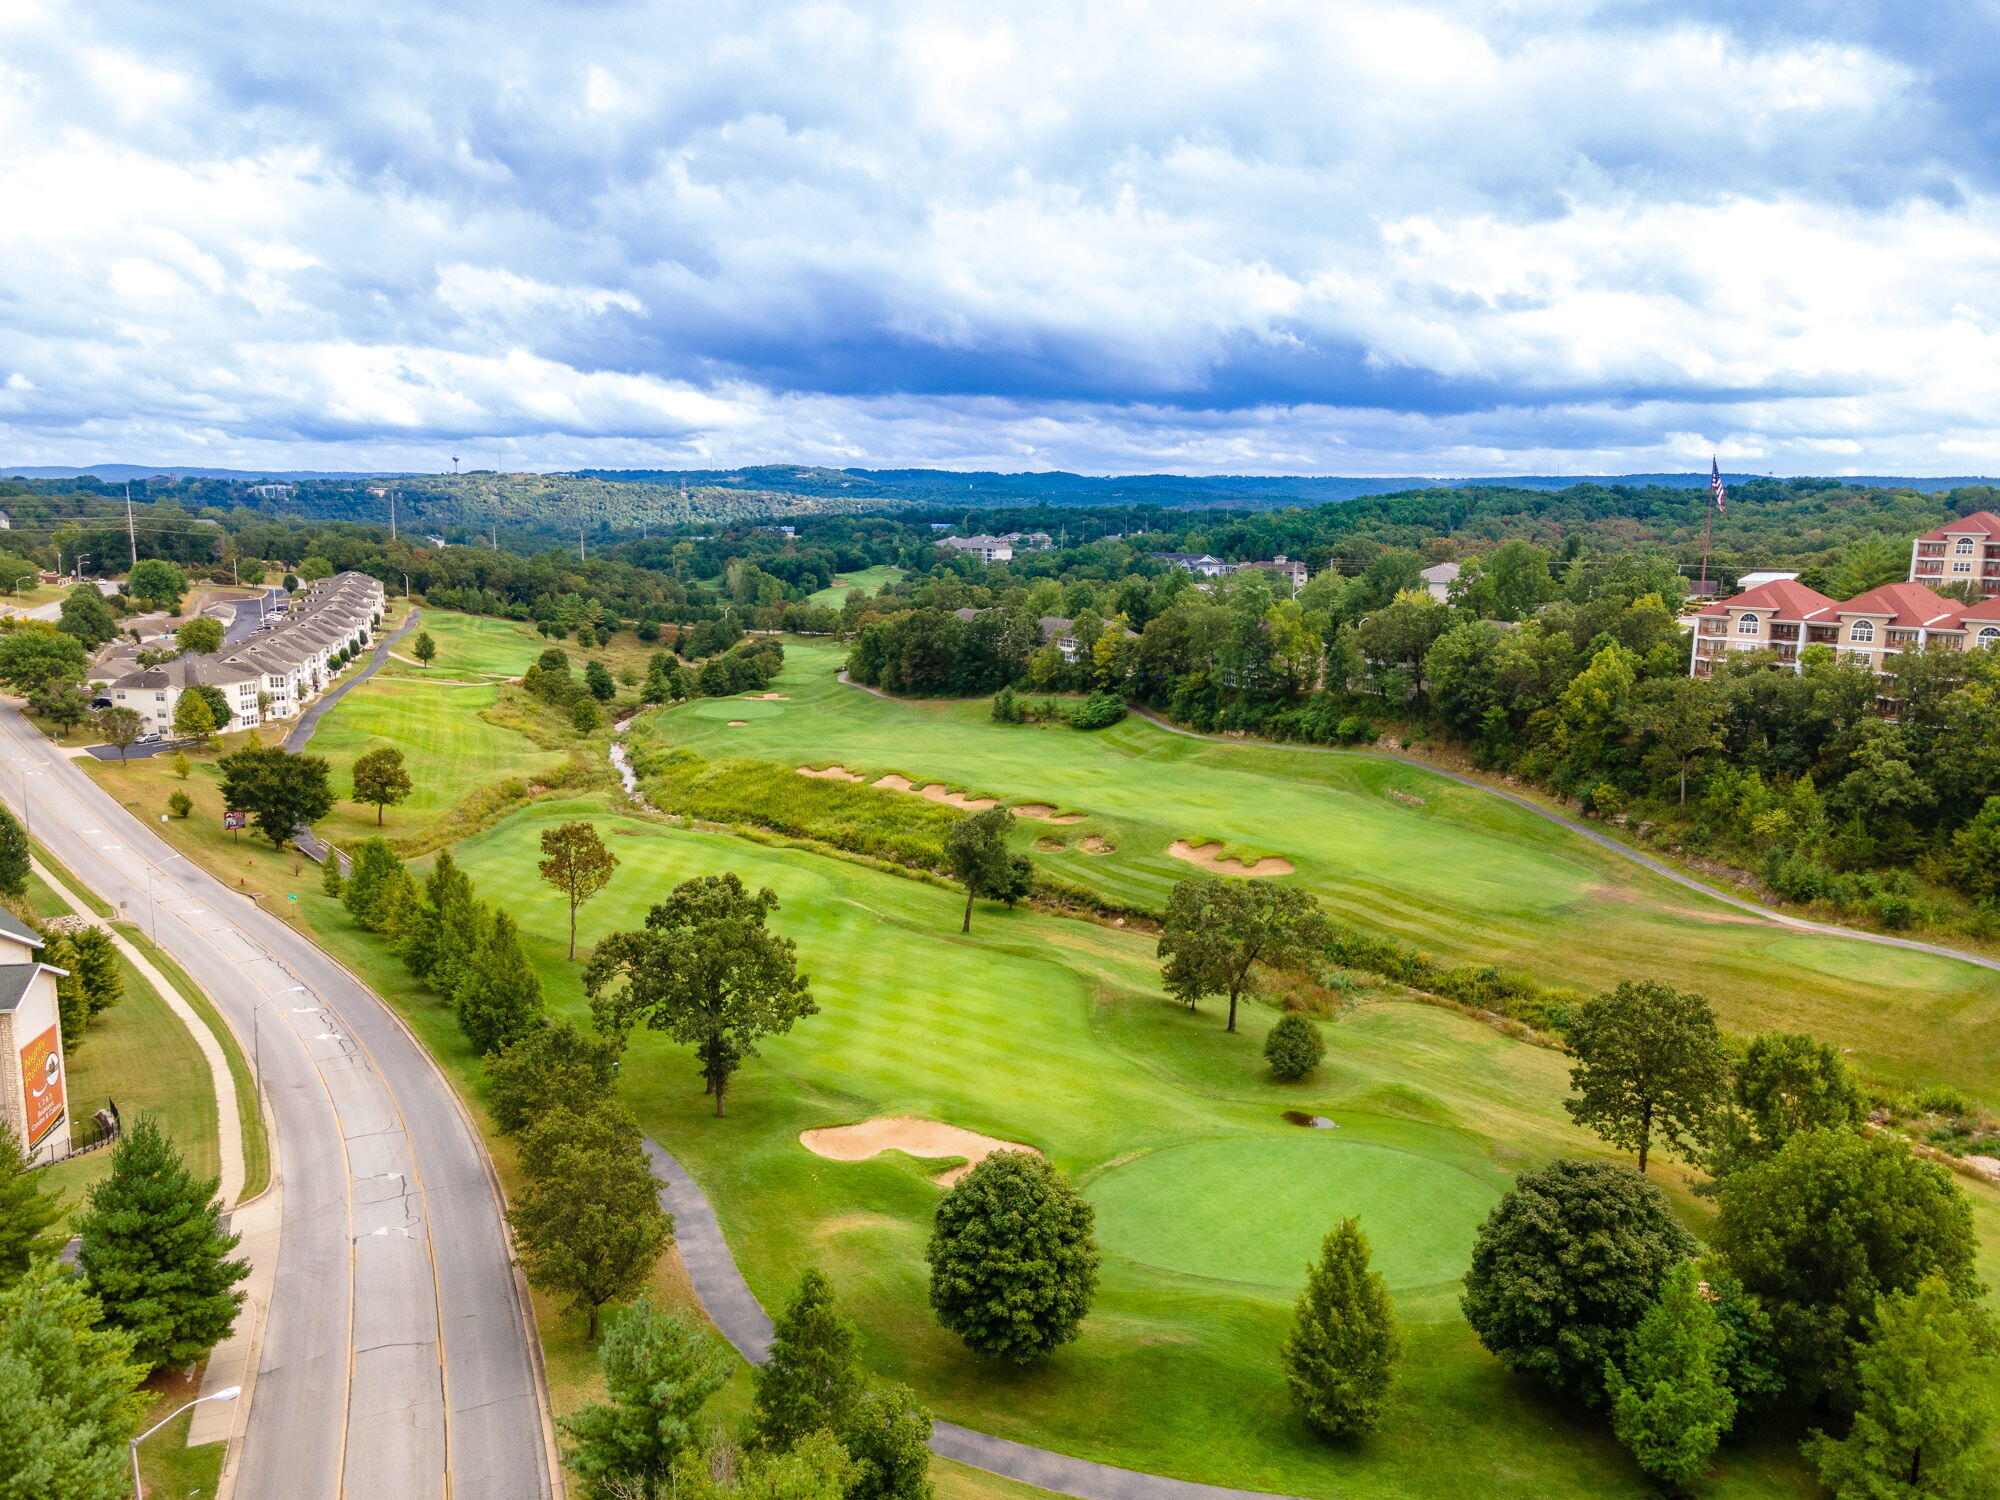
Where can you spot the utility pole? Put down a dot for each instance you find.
(496, 537)
(579, 541)
(392, 515)
(131, 534)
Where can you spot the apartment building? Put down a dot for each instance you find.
(273, 674)
(988, 549)
(1962, 551)
(1785, 616)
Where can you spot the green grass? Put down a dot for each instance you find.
(470, 646)
(871, 579)
(447, 748)
(1052, 1033)
(1390, 848)
(1254, 1210)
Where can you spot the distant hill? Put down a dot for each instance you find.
(117, 473)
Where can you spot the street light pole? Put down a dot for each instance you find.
(227, 1393)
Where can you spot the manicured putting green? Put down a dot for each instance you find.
(1255, 1208)
(1898, 968)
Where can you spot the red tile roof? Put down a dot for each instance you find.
(1982, 521)
(1906, 604)
(1989, 610)
(1786, 598)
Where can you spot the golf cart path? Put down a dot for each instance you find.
(1582, 830)
(734, 1308)
(309, 720)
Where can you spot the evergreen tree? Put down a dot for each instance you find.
(444, 934)
(69, 1396)
(26, 1212)
(379, 893)
(888, 1434)
(330, 878)
(14, 856)
(1013, 1258)
(811, 1379)
(659, 1372)
(499, 996)
(154, 1255)
(1924, 1427)
(597, 677)
(1670, 1401)
(1341, 1354)
(552, 1067)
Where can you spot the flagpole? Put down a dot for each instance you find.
(1707, 520)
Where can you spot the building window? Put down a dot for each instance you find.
(1963, 547)
(1961, 567)
(1989, 635)
(1861, 630)
(1746, 625)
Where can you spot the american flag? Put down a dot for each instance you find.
(1715, 486)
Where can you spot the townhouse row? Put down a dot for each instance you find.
(275, 673)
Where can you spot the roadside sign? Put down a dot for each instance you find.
(234, 819)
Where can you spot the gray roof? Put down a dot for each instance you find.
(15, 979)
(14, 927)
(185, 672)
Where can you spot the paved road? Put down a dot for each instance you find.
(309, 720)
(396, 1359)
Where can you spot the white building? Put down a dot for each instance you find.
(33, 1083)
(1198, 563)
(1439, 578)
(989, 549)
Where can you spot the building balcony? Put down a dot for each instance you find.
(1822, 635)
(1784, 632)
(1930, 549)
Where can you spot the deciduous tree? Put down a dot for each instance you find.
(381, 779)
(576, 863)
(193, 719)
(281, 791)
(153, 1251)
(589, 1222)
(86, 616)
(1340, 1356)
(424, 648)
(552, 1067)
(15, 856)
(157, 584)
(1294, 1047)
(1827, 1226)
(705, 970)
(1216, 931)
(1566, 1266)
(1013, 1258)
(1649, 1061)
(202, 635)
(120, 727)
(1784, 1083)
(34, 657)
(888, 1434)
(975, 849)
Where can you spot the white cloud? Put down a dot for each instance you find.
(1373, 237)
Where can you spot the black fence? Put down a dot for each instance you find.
(94, 1134)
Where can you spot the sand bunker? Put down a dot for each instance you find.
(1097, 843)
(1211, 857)
(936, 792)
(910, 1135)
(1048, 843)
(831, 773)
(1045, 812)
(768, 697)
(739, 723)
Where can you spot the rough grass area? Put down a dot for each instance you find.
(1462, 874)
(470, 646)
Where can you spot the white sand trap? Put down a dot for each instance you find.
(935, 792)
(768, 697)
(913, 1137)
(1046, 812)
(1097, 843)
(739, 723)
(1211, 857)
(831, 773)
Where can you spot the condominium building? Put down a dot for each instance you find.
(1785, 616)
(273, 674)
(1962, 551)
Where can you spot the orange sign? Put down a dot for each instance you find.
(42, 1081)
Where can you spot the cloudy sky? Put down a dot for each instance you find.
(1103, 235)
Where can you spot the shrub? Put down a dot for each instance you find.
(180, 804)
(1099, 711)
(1294, 1047)
(585, 717)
